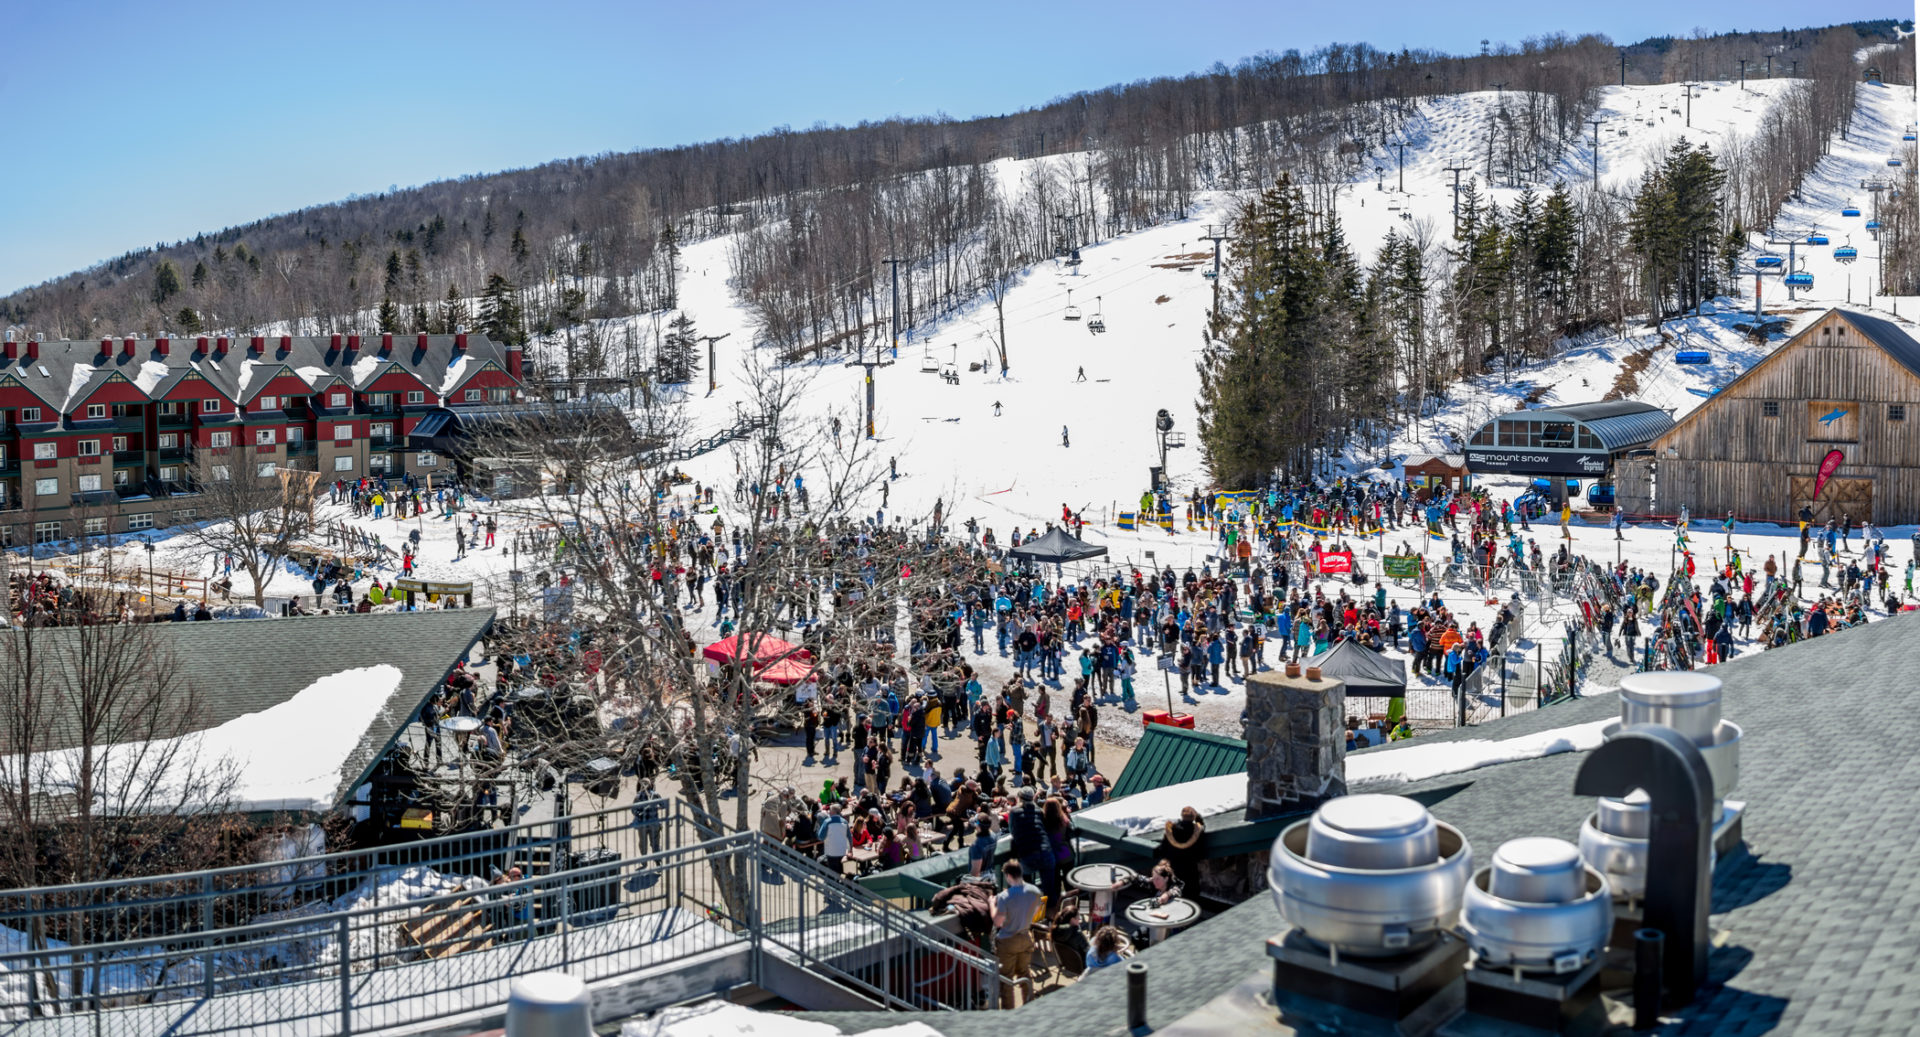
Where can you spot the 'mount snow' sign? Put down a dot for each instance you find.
(1537, 462)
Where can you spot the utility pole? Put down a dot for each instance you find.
(710, 340)
(1595, 123)
(1769, 66)
(1402, 145)
(870, 365)
(1792, 244)
(1623, 66)
(1216, 238)
(1456, 171)
(1743, 72)
(1689, 87)
(894, 265)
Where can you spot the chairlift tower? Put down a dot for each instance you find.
(1456, 171)
(1216, 237)
(1788, 271)
(1596, 124)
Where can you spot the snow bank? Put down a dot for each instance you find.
(1147, 811)
(724, 1019)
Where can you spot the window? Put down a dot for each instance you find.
(220, 439)
(296, 435)
(383, 428)
(416, 396)
(169, 408)
(425, 459)
(220, 473)
(473, 396)
(140, 521)
(499, 395)
(343, 463)
(342, 432)
(124, 410)
(29, 414)
(95, 527)
(263, 470)
(119, 443)
(96, 410)
(169, 440)
(45, 451)
(1770, 408)
(209, 406)
(122, 477)
(46, 487)
(1896, 412)
(170, 473)
(338, 399)
(46, 532)
(89, 484)
(269, 403)
(263, 436)
(186, 514)
(89, 448)
(382, 400)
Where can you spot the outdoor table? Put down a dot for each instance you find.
(863, 857)
(1098, 879)
(462, 729)
(1162, 919)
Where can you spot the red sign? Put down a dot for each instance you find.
(1828, 465)
(1336, 562)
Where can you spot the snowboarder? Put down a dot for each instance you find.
(996, 408)
(1064, 440)
(1082, 376)
(893, 467)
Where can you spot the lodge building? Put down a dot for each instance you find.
(1843, 393)
(119, 436)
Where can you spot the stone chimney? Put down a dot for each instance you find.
(1296, 743)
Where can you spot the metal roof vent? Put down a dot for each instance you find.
(1537, 908)
(1370, 875)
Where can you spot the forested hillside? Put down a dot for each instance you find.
(554, 246)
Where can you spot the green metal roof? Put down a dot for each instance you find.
(1170, 755)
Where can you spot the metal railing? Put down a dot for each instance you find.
(403, 935)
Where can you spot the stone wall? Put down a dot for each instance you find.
(1296, 743)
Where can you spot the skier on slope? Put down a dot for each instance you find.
(1064, 440)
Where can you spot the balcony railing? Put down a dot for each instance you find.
(296, 447)
(125, 458)
(130, 422)
(9, 464)
(175, 420)
(384, 442)
(176, 453)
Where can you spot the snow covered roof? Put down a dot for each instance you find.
(301, 708)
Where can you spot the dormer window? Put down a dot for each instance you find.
(209, 406)
(96, 410)
(338, 399)
(417, 396)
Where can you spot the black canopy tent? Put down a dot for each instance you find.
(1058, 547)
(1366, 672)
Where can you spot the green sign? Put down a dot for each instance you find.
(1401, 567)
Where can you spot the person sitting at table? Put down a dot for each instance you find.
(892, 852)
(1158, 886)
(1107, 944)
(911, 846)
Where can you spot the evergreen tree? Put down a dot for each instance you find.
(166, 282)
(453, 313)
(679, 355)
(393, 270)
(199, 278)
(188, 320)
(500, 315)
(389, 317)
(670, 253)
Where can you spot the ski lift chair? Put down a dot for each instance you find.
(1099, 322)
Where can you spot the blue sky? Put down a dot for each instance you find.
(127, 124)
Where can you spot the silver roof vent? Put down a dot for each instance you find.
(1537, 908)
(1370, 875)
(1688, 702)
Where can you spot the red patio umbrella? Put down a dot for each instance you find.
(786, 671)
(766, 648)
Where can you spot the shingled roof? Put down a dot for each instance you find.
(1815, 922)
(66, 372)
(245, 666)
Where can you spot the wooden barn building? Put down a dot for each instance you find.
(1843, 394)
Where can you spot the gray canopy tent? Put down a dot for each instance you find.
(1058, 547)
(1367, 673)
